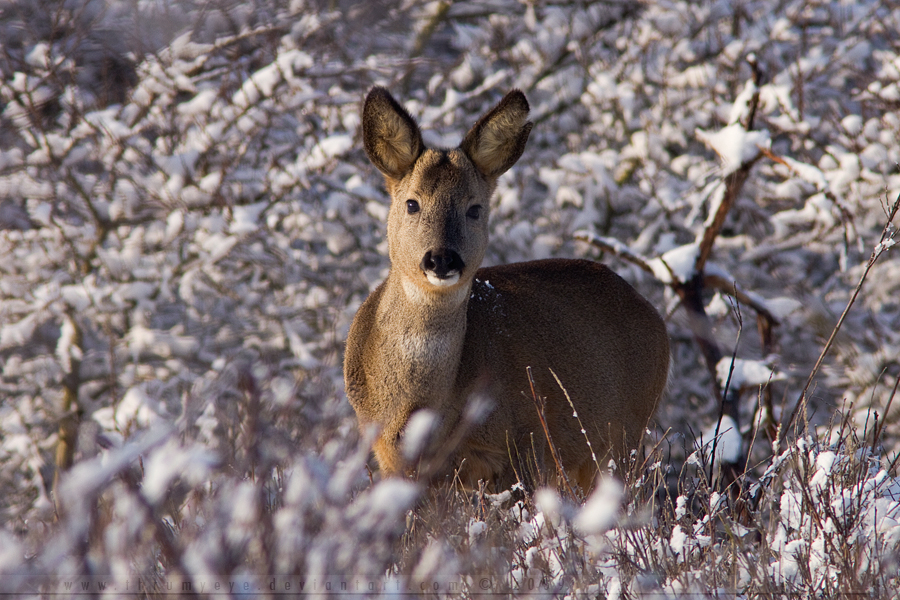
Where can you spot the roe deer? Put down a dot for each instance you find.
(440, 331)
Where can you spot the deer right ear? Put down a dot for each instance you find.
(498, 139)
(391, 137)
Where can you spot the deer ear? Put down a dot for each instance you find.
(498, 139)
(391, 137)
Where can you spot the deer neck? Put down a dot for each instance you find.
(427, 332)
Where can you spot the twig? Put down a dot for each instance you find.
(886, 235)
(828, 193)
(734, 183)
(540, 404)
(512, 461)
(887, 407)
(719, 283)
(431, 466)
(619, 249)
(764, 327)
(716, 282)
(755, 425)
(712, 458)
(422, 40)
(70, 418)
(580, 424)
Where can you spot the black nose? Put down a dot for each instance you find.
(442, 262)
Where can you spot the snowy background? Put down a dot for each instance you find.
(188, 224)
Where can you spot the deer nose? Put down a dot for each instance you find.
(442, 262)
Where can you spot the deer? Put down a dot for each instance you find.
(442, 332)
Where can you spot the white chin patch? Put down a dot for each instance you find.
(446, 282)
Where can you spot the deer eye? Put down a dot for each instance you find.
(474, 211)
(412, 207)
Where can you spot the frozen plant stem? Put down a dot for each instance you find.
(539, 405)
(887, 237)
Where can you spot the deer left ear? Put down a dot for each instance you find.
(391, 137)
(498, 139)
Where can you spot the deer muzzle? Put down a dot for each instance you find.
(442, 267)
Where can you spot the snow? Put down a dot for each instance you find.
(847, 171)
(549, 503)
(678, 540)
(11, 551)
(299, 348)
(476, 529)
(10, 158)
(852, 124)
(136, 408)
(67, 347)
(107, 121)
(210, 182)
(199, 105)
(171, 461)
(745, 372)
(39, 56)
(174, 224)
(788, 567)
(385, 503)
(418, 431)
(677, 264)
(245, 218)
(85, 479)
(601, 510)
(735, 145)
(824, 465)
(41, 212)
(328, 149)
(780, 308)
(740, 108)
(680, 507)
(617, 246)
(501, 498)
(729, 444)
(884, 245)
(14, 334)
(217, 245)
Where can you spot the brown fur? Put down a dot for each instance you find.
(421, 341)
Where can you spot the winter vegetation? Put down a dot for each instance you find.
(188, 224)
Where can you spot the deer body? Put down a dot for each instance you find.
(440, 331)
